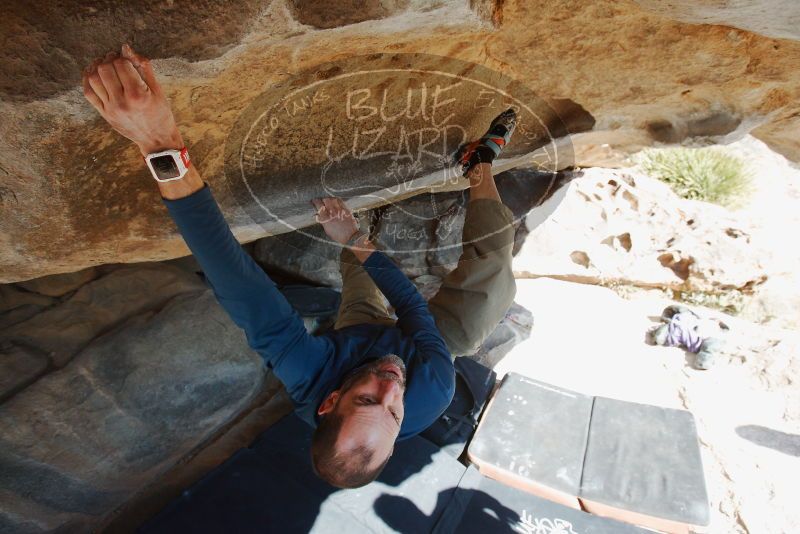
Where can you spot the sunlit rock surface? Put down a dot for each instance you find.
(75, 194)
(614, 227)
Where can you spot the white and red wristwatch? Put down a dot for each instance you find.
(168, 165)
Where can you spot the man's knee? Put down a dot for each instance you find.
(489, 225)
(465, 330)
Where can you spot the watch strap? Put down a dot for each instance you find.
(187, 162)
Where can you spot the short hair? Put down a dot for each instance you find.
(348, 469)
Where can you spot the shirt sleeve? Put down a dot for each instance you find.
(250, 297)
(413, 316)
(432, 382)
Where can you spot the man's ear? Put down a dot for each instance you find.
(329, 403)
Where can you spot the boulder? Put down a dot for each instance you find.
(620, 227)
(17, 305)
(83, 440)
(19, 367)
(777, 18)
(62, 330)
(775, 302)
(617, 76)
(12, 297)
(304, 256)
(421, 234)
(59, 284)
(334, 13)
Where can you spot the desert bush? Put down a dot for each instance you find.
(706, 174)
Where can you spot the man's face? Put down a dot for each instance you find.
(370, 403)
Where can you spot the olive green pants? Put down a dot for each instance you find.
(473, 298)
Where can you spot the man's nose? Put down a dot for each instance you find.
(388, 390)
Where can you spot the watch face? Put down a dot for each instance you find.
(165, 167)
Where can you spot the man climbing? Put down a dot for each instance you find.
(371, 380)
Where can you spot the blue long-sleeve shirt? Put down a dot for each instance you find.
(312, 366)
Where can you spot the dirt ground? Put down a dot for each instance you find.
(747, 406)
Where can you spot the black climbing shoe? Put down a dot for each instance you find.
(488, 147)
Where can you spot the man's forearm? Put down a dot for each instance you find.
(413, 316)
(362, 248)
(391, 281)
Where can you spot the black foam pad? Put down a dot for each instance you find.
(645, 459)
(535, 431)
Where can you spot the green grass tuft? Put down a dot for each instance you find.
(699, 173)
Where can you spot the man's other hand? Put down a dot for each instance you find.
(124, 89)
(336, 218)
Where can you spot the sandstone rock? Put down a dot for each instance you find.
(778, 18)
(12, 297)
(422, 234)
(775, 302)
(74, 194)
(18, 368)
(334, 13)
(61, 331)
(137, 400)
(37, 72)
(771, 207)
(306, 256)
(18, 315)
(523, 189)
(17, 305)
(59, 284)
(608, 227)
